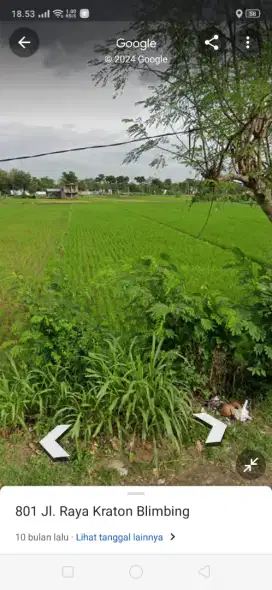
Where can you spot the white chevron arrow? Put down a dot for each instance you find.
(50, 444)
(218, 428)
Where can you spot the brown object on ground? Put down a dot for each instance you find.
(199, 446)
(227, 410)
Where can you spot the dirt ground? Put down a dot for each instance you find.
(23, 462)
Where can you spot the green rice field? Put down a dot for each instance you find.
(84, 238)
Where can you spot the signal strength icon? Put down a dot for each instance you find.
(58, 13)
(45, 14)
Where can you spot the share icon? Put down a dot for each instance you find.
(210, 42)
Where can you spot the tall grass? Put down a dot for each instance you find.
(127, 394)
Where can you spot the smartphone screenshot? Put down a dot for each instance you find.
(135, 295)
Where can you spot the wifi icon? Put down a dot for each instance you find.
(58, 13)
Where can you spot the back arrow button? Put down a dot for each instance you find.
(24, 42)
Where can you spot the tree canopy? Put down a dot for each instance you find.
(218, 104)
(69, 178)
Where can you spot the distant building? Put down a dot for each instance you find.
(68, 191)
(18, 193)
(53, 193)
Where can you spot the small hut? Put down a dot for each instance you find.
(69, 191)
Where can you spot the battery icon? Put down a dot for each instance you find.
(253, 13)
(84, 13)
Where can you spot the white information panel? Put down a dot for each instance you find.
(65, 536)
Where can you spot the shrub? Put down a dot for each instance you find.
(206, 328)
(60, 328)
(210, 190)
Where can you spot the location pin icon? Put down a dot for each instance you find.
(239, 13)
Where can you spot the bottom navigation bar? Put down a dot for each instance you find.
(143, 572)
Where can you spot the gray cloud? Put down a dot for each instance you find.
(49, 102)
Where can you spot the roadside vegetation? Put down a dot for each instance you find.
(134, 377)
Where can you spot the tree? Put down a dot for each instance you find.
(191, 186)
(217, 103)
(4, 181)
(46, 182)
(100, 178)
(134, 188)
(156, 185)
(120, 179)
(110, 179)
(122, 183)
(140, 179)
(35, 185)
(82, 185)
(20, 180)
(69, 178)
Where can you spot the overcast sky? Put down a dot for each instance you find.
(49, 102)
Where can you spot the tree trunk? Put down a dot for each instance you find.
(263, 195)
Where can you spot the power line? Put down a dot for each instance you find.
(90, 147)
